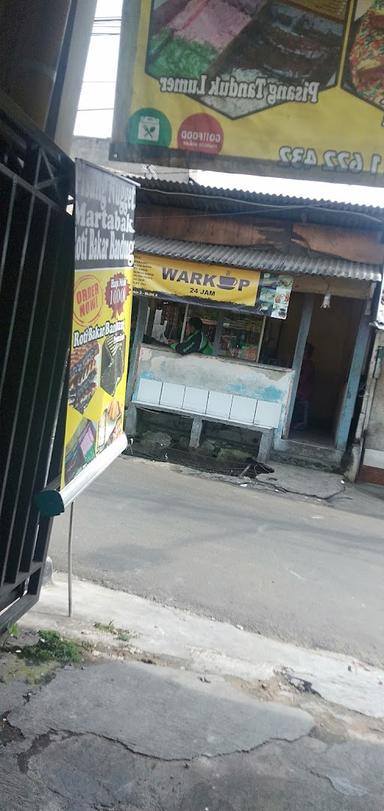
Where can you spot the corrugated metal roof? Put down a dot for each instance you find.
(252, 259)
(192, 195)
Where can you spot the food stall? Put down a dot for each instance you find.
(242, 381)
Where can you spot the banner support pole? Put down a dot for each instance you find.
(70, 536)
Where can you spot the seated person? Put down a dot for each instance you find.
(195, 341)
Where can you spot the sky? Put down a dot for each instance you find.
(95, 115)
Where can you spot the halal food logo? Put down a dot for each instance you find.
(116, 293)
(88, 300)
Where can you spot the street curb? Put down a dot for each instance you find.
(206, 645)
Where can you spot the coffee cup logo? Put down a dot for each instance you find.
(227, 282)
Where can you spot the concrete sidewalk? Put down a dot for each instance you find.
(204, 645)
(172, 712)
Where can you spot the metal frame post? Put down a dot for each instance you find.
(136, 344)
(70, 539)
(305, 323)
(352, 387)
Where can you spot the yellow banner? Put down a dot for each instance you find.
(295, 89)
(102, 306)
(171, 277)
(266, 293)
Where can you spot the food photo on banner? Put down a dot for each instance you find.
(253, 85)
(102, 302)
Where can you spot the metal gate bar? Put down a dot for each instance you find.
(36, 281)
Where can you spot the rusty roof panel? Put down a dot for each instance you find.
(194, 196)
(253, 259)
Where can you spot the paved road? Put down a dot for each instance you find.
(284, 567)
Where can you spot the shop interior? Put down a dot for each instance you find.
(232, 334)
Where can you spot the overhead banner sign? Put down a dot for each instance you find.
(293, 89)
(264, 293)
(102, 302)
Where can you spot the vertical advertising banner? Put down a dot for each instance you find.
(102, 302)
(291, 88)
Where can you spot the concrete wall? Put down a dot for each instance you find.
(375, 431)
(96, 150)
(241, 392)
(375, 437)
(373, 457)
(31, 43)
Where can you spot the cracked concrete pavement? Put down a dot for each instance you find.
(180, 712)
(187, 717)
(174, 712)
(127, 736)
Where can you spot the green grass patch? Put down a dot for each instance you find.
(52, 647)
(105, 627)
(109, 628)
(12, 632)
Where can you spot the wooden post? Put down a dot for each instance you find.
(305, 323)
(352, 387)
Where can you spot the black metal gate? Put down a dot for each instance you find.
(36, 278)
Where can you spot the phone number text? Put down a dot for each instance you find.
(330, 161)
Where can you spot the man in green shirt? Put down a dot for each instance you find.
(195, 341)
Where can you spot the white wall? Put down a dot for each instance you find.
(96, 150)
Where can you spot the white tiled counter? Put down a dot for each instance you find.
(250, 395)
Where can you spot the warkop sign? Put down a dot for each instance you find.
(261, 293)
(293, 89)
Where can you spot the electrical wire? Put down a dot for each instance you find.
(273, 207)
(94, 109)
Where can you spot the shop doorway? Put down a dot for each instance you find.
(325, 369)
